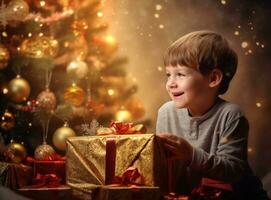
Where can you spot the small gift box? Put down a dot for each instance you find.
(57, 168)
(14, 175)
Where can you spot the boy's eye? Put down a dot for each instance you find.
(168, 74)
(180, 74)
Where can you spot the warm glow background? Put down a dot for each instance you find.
(145, 28)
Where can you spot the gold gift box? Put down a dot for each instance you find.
(86, 159)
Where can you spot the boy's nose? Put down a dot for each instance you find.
(172, 83)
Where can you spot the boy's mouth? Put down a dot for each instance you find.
(177, 94)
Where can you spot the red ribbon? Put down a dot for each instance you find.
(130, 177)
(54, 157)
(47, 180)
(110, 161)
(121, 128)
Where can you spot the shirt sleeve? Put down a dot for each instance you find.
(230, 160)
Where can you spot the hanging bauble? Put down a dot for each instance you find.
(135, 106)
(18, 89)
(60, 136)
(123, 116)
(46, 100)
(39, 47)
(107, 44)
(79, 26)
(44, 152)
(77, 68)
(17, 10)
(4, 57)
(7, 120)
(74, 95)
(16, 152)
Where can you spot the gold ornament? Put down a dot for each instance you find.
(43, 151)
(107, 44)
(40, 47)
(18, 89)
(4, 57)
(74, 95)
(135, 106)
(77, 68)
(79, 26)
(60, 136)
(123, 116)
(17, 10)
(46, 100)
(7, 120)
(16, 152)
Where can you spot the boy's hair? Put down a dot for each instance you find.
(204, 50)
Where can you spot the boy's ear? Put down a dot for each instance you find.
(215, 77)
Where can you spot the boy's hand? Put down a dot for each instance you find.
(178, 147)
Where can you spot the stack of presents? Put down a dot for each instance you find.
(120, 162)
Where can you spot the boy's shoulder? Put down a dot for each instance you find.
(229, 110)
(167, 106)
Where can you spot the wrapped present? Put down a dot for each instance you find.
(14, 175)
(101, 160)
(48, 169)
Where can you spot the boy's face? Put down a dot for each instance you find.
(186, 86)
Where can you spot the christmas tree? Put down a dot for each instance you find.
(60, 73)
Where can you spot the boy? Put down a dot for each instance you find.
(205, 132)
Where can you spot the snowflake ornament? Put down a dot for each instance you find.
(89, 129)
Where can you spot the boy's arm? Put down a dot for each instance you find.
(230, 161)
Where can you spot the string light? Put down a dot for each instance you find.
(111, 92)
(223, 2)
(100, 14)
(158, 7)
(244, 44)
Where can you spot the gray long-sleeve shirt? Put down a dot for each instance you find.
(219, 138)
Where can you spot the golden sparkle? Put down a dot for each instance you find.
(236, 33)
(244, 44)
(42, 3)
(161, 26)
(158, 7)
(100, 14)
(159, 68)
(110, 92)
(223, 2)
(156, 15)
(5, 90)
(4, 34)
